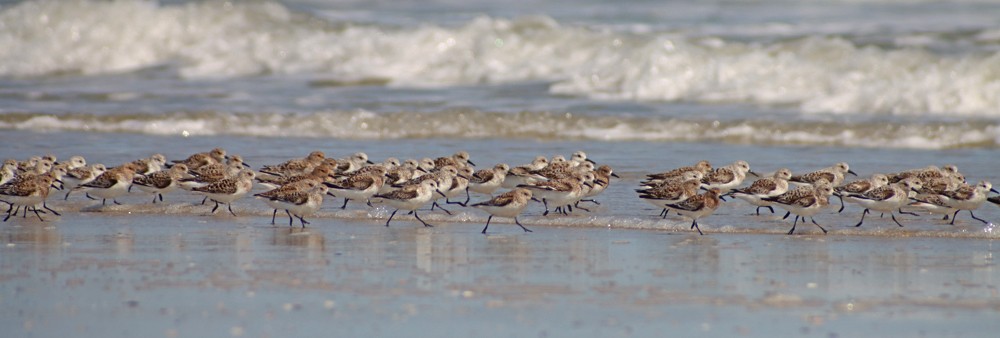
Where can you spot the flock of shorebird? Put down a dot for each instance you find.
(935, 190)
(298, 186)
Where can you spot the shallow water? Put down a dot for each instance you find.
(151, 275)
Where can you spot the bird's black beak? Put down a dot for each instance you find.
(536, 200)
(753, 173)
(849, 171)
(471, 163)
(369, 162)
(994, 190)
(440, 193)
(245, 164)
(615, 175)
(591, 161)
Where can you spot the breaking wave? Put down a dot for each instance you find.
(817, 74)
(472, 124)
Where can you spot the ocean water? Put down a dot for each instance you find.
(644, 86)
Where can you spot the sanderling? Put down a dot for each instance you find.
(859, 187)
(889, 198)
(444, 178)
(728, 177)
(296, 166)
(79, 176)
(149, 165)
(702, 166)
(112, 183)
(8, 171)
(697, 206)
(560, 192)
(228, 190)
(411, 198)
(30, 164)
(322, 173)
(523, 174)
(360, 186)
(161, 182)
(458, 160)
(602, 179)
(274, 197)
(763, 188)
(933, 204)
(927, 172)
(486, 181)
(509, 204)
(937, 185)
(195, 161)
(671, 191)
(804, 202)
(578, 158)
(354, 162)
(562, 170)
(833, 174)
(30, 192)
(74, 162)
(968, 198)
(400, 175)
(300, 203)
(459, 184)
(232, 162)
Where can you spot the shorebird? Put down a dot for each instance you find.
(29, 192)
(228, 190)
(486, 181)
(698, 206)
(217, 155)
(411, 198)
(298, 202)
(359, 186)
(275, 197)
(702, 166)
(79, 176)
(833, 174)
(728, 177)
(561, 192)
(296, 166)
(112, 183)
(673, 191)
(859, 187)
(161, 182)
(968, 198)
(762, 188)
(887, 198)
(523, 174)
(509, 204)
(804, 202)
(458, 160)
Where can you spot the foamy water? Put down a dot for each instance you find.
(471, 124)
(835, 70)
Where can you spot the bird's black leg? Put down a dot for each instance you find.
(487, 224)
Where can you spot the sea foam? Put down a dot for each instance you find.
(818, 74)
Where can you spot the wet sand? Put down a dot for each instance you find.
(115, 275)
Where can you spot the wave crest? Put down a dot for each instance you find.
(471, 124)
(817, 74)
